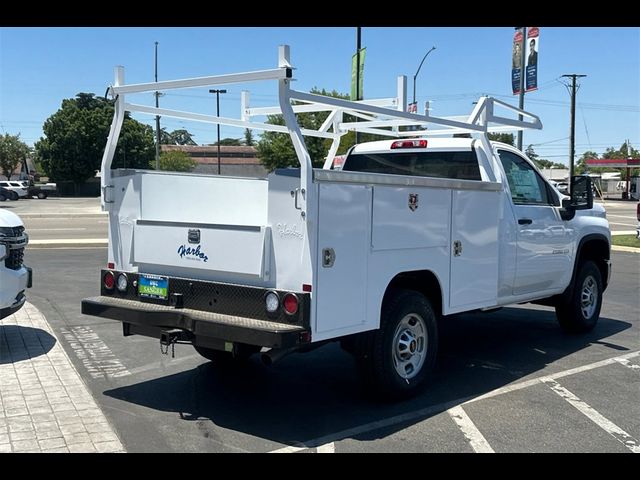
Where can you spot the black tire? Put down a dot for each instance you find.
(2, 197)
(42, 195)
(579, 312)
(14, 196)
(240, 355)
(399, 346)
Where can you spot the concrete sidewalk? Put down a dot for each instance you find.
(44, 404)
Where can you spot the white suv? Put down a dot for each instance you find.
(20, 187)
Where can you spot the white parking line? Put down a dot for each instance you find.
(565, 373)
(627, 363)
(435, 409)
(470, 431)
(327, 448)
(604, 423)
(95, 355)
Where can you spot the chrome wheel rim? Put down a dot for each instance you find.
(410, 346)
(589, 297)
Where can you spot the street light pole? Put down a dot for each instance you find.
(157, 94)
(218, 92)
(418, 71)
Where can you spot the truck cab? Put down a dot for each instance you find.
(15, 277)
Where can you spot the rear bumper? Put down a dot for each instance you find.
(201, 327)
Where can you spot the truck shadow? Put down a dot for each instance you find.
(18, 343)
(318, 395)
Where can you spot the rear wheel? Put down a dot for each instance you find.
(42, 195)
(398, 357)
(239, 356)
(579, 312)
(2, 197)
(14, 196)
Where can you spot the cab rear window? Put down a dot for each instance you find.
(457, 165)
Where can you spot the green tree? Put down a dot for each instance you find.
(177, 137)
(76, 136)
(582, 167)
(248, 138)
(502, 137)
(275, 149)
(176, 161)
(229, 142)
(12, 152)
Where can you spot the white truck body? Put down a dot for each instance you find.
(15, 277)
(338, 240)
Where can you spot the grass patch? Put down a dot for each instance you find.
(626, 240)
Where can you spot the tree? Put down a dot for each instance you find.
(248, 138)
(176, 161)
(502, 137)
(230, 142)
(541, 163)
(275, 149)
(581, 165)
(12, 152)
(177, 137)
(76, 136)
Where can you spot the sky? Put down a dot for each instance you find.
(39, 67)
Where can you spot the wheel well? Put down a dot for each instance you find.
(596, 250)
(423, 281)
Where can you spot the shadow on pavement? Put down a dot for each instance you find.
(319, 394)
(19, 343)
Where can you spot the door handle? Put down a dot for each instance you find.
(525, 221)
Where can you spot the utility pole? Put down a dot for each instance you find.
(357, 70)
(157, 94)
(218, 92)
(522, 76)
(572, 135)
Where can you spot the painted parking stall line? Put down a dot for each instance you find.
(607, 425)
(469, 430)
(628, 364)
(94, 354)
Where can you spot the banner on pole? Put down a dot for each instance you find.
(354, 61)
(533, 47)
(516, 61)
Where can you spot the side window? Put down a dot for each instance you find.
(527, 188)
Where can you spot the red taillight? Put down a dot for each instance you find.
(306, 287)
(409, 144)
(290, 303)
(111, 265)
(108, 280)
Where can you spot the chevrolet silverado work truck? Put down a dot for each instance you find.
(408, 232)
(15, 277)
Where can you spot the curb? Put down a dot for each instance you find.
(68, 243)
(63, 215)
(620, 248)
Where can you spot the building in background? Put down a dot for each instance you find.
(237, 161)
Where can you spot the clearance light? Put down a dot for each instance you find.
(290, 303)
(409, 144)
(108, 280)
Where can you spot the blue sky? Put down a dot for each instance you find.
(39, 67)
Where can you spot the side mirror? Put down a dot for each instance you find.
(581, 193)
(581, 197)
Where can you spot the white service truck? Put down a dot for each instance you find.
(15, 277)
(374, 255)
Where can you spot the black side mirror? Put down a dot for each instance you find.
(581, 197)
(581, 193)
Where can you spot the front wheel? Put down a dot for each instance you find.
(579, 313)
(42, 195)
(398, 358)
